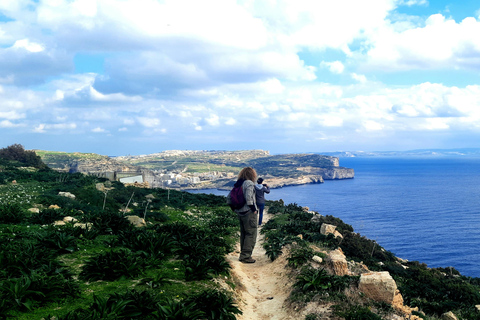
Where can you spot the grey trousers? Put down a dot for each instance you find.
(248, 233)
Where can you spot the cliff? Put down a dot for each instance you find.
(191, 169)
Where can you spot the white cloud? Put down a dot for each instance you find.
(149, 122)
(29, 46)
(336, 67)
(98, 130)
(440, 43)
(358, 77)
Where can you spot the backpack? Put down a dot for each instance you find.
(235, 198)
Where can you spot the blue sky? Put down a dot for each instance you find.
(120, 77)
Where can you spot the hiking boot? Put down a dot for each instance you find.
(248, 260)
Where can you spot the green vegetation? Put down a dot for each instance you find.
(433, 290)
(99, 266)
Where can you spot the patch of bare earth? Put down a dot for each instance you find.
(262, 287)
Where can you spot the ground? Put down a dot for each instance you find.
(263, 286)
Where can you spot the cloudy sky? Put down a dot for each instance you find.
(121, 77)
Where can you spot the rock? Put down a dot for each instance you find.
(34, 210)
(448, 316)
(100, 187)
(66, 194)
(337, 234)
(478, 307)
(378, 286)
(327, 228)
(338, 262)
(69, 219)
(305, 209)
(136, 221)
(316, 218)
(300, 236)
(317, 259)
(54, 206)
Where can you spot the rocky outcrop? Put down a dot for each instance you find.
(136, 221)
(337, 262)
(449, 316)
(66, 194)
(330, 173)
(327, 229)
(378, 286)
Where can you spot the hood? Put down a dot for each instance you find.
(259, 186)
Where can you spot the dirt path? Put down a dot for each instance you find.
(263, 286)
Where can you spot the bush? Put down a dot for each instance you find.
(108, 222)
(299, 255)
(357, 313)
(11, 214)
(215, 304)
(112, 265)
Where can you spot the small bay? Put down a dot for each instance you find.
(424, 209)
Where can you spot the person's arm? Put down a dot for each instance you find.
(266, 189)
(250, 197)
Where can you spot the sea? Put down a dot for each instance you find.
(420, 209)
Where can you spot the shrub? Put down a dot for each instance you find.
(107, 222)
(299, 255)
(59, 241)
(215, 304)
(147, 243)
(112, 265)
(11, 213)
(179, 310)
(357, 313)
(47, 216)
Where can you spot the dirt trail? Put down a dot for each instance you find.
(264, 285)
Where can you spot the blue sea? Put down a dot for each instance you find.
(423, 209)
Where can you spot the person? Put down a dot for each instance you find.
(247, 215)
(260, 190)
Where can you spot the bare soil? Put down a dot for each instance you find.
(262, 287)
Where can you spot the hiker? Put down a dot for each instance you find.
(260, 190)
(247, 214)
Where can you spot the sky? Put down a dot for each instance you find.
(119, 77)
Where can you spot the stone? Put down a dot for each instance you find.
(478, 307)
(337, 234)
(317, 259)
(337, 261)
(136, 221)
(69, 219)
(327, 228)
(316, 218)
(378, 286)
(448, 316)
(54, 206)
(34, 210)
(66, 194)
(100, 187)
(300, 236)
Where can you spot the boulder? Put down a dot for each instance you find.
(317, 259)
(337, 261)
(448, 316)
(66, 194)
(34, 210)
(136, 221)
(54, 206)
(327, 228)
(378, 286)
(69, 219)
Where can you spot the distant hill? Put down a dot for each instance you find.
(199, 169)
(460, 152)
